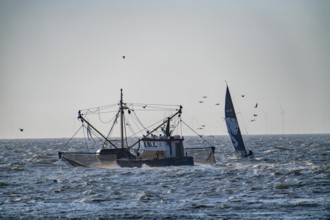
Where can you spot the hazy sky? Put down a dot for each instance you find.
(57, 57)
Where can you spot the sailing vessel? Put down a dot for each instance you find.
(233, 127)
(157, 147)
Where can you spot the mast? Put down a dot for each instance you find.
(121, 119)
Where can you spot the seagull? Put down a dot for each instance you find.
(21, 129)
(256, 106)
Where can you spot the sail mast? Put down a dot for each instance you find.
(121, 119)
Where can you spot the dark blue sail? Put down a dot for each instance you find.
(233, 127)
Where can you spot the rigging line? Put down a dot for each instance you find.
(158, 107)
(99, 107)
(197, 133)
(135, 123)
(125, 131)
(181, 127)
(114, 122)
(137, 142)
(86, 121)
(105, 122)
(96, 135)
(175, 126)
(88, 136)
(142, 104)
(85, 138)
(101, 112)
(155, 110)
(161, 121)
(90, 112)
(139, 120)
(138, 124)
(92, 136)
(71, 138)
(128, 123)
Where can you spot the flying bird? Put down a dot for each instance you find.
(256, 106)
(217, 104)
(243, 96)
(253, 120)
(201, 101)
(124, 57)
(144, 106)
(204, 97)
(21, 129)
(255, 115)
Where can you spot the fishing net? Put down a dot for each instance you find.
(201, 155)
(88, 159)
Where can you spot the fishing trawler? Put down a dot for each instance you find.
(233, 127)
(157, 147)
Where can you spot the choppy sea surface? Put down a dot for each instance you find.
(288, 178)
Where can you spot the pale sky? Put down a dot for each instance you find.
(57, 57)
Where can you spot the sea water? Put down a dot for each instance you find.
(288, 178)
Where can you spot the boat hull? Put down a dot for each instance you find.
(111, 161)
(179, 161)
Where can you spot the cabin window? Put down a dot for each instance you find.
(149, 144)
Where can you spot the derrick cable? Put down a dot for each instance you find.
(197, 133)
